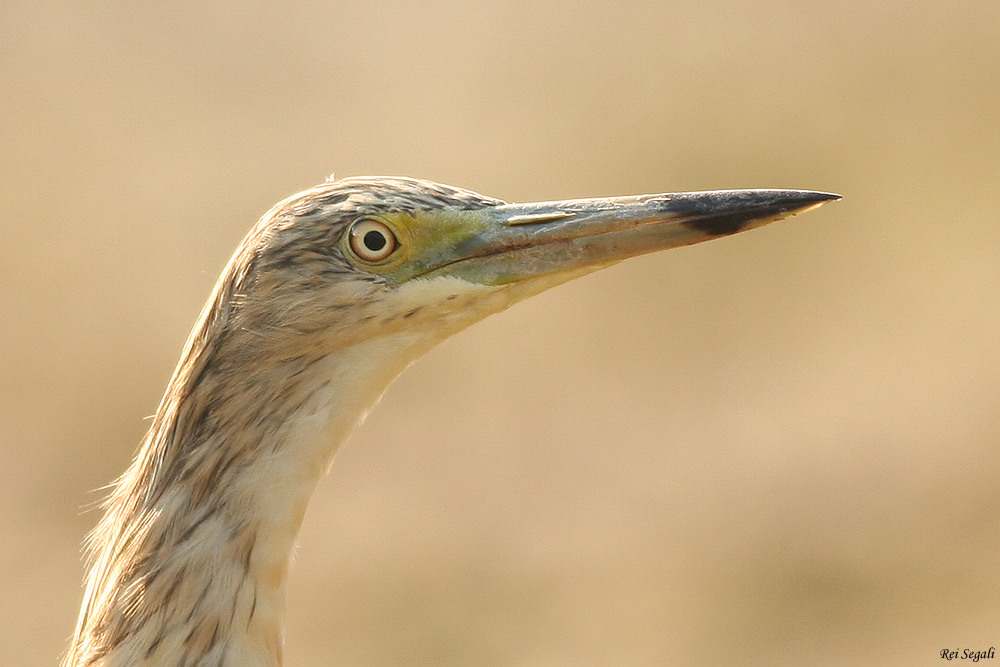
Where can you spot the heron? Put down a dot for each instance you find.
(332, 294)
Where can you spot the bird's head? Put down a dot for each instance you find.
(364, 258)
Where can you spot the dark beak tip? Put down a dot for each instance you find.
(770, 205)
(825, 196)
(809, 200)
(794, 200)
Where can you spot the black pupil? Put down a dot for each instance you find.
(375, 241)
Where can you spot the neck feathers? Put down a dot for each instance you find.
(188, 564)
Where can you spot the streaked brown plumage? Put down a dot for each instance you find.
(302, 333)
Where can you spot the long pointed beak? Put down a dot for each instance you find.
(518, 241)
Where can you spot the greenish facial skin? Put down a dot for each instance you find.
(501, 245)
(426, 241)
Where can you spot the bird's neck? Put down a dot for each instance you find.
(191, 558)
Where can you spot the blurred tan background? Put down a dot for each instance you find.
(779, 448)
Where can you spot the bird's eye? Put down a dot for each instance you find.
(372, 240)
